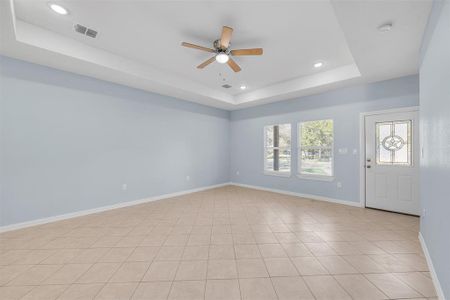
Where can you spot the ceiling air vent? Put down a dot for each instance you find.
(85, 31)
(91, 32)
(80, 29)
(226, 86)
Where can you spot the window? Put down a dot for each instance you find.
(393, 140)
(315, 153)
(277, 149)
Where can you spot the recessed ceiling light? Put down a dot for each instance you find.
(318, 64)
(222, 58)
(58, 9)
(243, 87)
(385, 27)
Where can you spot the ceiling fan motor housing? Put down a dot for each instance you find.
(219, 49)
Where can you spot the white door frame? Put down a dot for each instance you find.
(362, 146)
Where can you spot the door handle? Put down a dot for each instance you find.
(368, 167)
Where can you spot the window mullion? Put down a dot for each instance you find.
(276, 151)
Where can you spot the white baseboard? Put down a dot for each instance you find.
(160, 197)
(314, 197)
(436, 283)
(104, 208)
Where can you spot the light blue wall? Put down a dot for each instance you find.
(343, 106)
(69, 142)
(435, 130)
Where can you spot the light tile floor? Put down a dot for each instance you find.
(226, 243)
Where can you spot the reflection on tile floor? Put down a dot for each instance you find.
(226, 243)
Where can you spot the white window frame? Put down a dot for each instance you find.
(277, 173)
(299, 151)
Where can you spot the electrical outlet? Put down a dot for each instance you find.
(237, 173)
(188, 178)
(339, 185)
(124, 187)
(355, 151)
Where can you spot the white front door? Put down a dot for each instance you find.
(392, 162)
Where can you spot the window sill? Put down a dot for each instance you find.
(316, 177)
(279, 174)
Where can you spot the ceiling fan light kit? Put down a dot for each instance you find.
(222, 50)
(222, 58)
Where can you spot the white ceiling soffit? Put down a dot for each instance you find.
(138, 44)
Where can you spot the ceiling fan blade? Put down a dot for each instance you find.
(233, 65)
(189, 45)
(205, 63)
(254, 51)
(225, 37)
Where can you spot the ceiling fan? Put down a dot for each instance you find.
(222, 51)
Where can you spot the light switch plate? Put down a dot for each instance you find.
(343, 150)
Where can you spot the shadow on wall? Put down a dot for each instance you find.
(394, 89)
(49, 76)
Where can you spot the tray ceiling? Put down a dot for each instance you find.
(138, 44)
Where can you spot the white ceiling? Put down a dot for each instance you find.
(139, 44)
